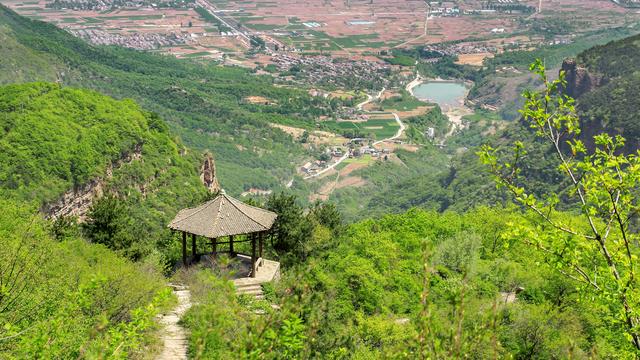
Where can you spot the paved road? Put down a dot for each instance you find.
(212, 10)
(343, 158)
(370, 99)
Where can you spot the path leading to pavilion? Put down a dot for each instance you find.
(174, 335)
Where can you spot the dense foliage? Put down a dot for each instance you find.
(614, 106)
(58, 139)
(64, 298)
(603, 183)
(419, 284)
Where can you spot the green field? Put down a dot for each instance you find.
(404, 102)
(197, 54)
(380, 128)
(319, 40)
(364, 159)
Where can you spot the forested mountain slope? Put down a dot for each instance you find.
(606, 81)
(612, 102)
(203, 103)
(56, 139)
(415, 285)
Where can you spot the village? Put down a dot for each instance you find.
(137, 41)
(353, 149)
(312, 41)
(106, 5)
(327, 70)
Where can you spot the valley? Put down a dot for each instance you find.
(335, 179)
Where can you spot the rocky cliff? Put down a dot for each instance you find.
(579, 80)
(76, 202)
(208, 174)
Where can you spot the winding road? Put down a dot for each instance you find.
(370, 99)
(346, 156)
(397, 135)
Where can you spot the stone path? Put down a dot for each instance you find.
(174, 335)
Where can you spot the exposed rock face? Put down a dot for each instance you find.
(76, 202)
(579, 80)
(208, 174)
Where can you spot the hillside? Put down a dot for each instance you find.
(64, 144)
(65, 298)
(203, 103)
(405, 286)
(607, 81)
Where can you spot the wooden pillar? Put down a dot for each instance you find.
(194, 251)
(214, 245)
(261, 242)
(231, 253)
(184, 248)
(253, 256)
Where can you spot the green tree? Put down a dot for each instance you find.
(108, 224)
(65, 227)
(599, 254)
(326, 214)
(305, 137)
(291, 230)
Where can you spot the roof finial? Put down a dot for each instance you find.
(222, 192)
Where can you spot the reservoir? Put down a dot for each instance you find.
(447, 94)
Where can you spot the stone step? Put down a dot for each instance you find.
(251, 292)
(248, 288)
(254, 290)
(178, 287)
(244, 286)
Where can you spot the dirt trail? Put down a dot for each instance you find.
(174, 335)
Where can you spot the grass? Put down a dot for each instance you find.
(355, 40)
(381, 128)
(364, 159)
(90, 20)
(197, 54)
(404, 102)
(480, 115)
(319, 40)
(262, 26)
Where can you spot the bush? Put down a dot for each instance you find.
(69, 299)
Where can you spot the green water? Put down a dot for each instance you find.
(445, 94)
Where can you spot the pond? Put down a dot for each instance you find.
(447, 94)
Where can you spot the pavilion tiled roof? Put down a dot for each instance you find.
(223, 216)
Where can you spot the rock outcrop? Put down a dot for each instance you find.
(76, 202)
(579, 80)
(208, 174)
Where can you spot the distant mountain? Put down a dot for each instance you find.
(205, 104)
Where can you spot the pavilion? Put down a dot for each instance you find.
(224, 217)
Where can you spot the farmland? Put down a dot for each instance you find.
(356, 29)
(379, 128)
(178, 31)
